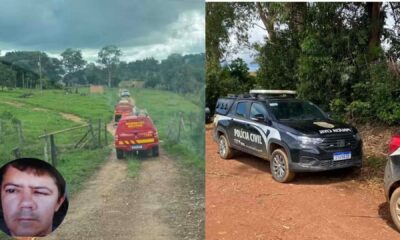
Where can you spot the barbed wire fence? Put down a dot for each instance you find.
(15, 144)
(188, 129)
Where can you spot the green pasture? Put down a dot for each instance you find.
(165, 109)
(40, 113)
(83, 104)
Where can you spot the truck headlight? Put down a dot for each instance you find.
(306, 140)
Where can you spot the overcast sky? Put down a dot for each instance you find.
(139, 28)
(256, 35)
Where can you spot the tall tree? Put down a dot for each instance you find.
(73, 63)
(7, 76)
(37, 62)
(224, 20)
(72, 60)
(376, 21)
(109, 57)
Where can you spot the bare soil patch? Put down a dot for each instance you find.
(14, 104)
(40, 109)
(71, 117)
(244, 202)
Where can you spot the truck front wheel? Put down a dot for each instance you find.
(280, 167)
(224, 150)
(395, 207)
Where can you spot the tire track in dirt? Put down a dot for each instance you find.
(244, 202)
(67, 116)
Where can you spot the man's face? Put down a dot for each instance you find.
(29, 202)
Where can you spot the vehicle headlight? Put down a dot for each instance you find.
(357, 136)
(306, 140)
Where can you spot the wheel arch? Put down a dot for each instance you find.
(221, 131)
(274, 144)
(393, 187)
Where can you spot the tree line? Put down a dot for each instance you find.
(345, 57)
(35, 69)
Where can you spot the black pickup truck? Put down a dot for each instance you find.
(295, 135)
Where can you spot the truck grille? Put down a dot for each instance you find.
(339, 164)
(338, 142)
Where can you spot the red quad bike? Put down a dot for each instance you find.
(392, 179)
(122, 109)
(136, 134)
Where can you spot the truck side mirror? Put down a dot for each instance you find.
(258, 117)
(268, 121)
(328, 114)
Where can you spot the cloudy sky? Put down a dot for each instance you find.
(256, 35)
(139, 28)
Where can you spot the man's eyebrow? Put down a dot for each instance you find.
(11, 184)
(30, 186)
(41, 188)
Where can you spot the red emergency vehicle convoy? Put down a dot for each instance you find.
(136, 133)
(122, 109)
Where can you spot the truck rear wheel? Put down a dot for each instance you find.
(120, 154)
(280, 167)
(395, 207)
(224, 150)
(155, 151)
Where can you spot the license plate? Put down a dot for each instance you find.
(341, 156)
(136, 147)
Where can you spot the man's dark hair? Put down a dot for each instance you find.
(38, 168)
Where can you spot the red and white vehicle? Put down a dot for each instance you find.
(136, 134)
(122, 109)
(392, 179)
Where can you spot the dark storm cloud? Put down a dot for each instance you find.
(54, 25)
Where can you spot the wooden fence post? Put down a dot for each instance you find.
(105, 134)
(92, 134)
(191, 119)
(45, 155)
(46, 147)
(99, 132)
(179, 127)
(53, 151)
(1, 131)
(19, 133)
(17, 152)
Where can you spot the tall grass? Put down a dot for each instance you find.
(165, 108)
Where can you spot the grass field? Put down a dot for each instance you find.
(85, 105)
(39, 113)
(165, 108)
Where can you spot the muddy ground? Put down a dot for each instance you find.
(244, 202)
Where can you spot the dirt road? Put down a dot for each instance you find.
(244, 202)
(161, 203)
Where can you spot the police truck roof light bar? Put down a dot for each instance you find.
(278, 92)
(262, 93)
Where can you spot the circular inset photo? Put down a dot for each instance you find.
(33, 198)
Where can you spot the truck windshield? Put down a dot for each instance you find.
(296, 110)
